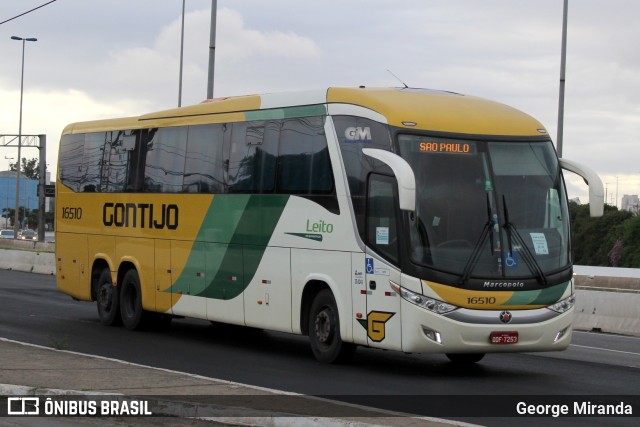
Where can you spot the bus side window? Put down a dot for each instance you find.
(204, 165)
(252, 157)
(71, 152)
(165, 160)
(304, 166)
(382, 231)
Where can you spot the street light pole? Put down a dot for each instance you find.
(16, 217)
(212, 48)
(563, 61)
(181, 57)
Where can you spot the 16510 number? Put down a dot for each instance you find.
(71, 213)
(481, 300)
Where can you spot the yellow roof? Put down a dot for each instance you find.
(441, 111)
(430, 110)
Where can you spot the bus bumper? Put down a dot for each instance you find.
(427, 332)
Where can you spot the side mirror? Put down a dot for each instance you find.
(404, 175)
(596, 189)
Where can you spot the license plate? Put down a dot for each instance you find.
(503, 337)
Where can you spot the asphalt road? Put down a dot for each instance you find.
(595, 364)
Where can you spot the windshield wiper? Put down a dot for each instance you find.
(475, 254)
(513, 234)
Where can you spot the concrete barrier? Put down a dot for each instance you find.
(27, 245)
(606, 311)
(608, 299)
(30, 261)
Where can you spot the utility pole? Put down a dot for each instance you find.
(17, 215)
(563, 62)
(181, 57)
(212, 48)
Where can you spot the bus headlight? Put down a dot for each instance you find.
(431, 304)
(564, 305)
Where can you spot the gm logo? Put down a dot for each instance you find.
(358, 134)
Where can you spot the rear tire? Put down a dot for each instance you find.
(131, 301)
(465, 358)
(108, 300)
(324, 330)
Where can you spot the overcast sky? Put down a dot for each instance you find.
(112, 58)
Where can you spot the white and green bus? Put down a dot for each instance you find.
(404, 219)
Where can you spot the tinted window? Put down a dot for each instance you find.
(382, 230)
(118, 146)
(252, 158)
(71, 151)
(165, 160)
(354, 134)
(92, 161)
(204, 165)
(288, 156)
(304, 165)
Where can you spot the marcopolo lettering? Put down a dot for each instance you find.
(140, 215)
(488, 284)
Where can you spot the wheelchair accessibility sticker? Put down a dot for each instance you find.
(511, 259)
(371, 269)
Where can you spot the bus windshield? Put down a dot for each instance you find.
(487, 209)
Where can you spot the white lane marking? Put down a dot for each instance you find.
(605, 349)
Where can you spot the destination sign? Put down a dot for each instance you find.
(447, 147)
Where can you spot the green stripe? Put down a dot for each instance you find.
(235, 234)
(546, 296)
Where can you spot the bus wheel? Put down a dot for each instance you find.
(108, 300)
(324, 330)
(131, 300)
(465, 358)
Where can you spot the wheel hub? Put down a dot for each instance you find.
(323, 326)
(104, 297)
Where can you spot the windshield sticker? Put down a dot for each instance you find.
(511, 259)
(539, 243)
(382, 235)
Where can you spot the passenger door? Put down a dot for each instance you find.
(383, 304)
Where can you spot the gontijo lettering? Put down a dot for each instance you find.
(140, 215)
(447, 147)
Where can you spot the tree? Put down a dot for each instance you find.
(610, 240)
(23, 214)
(630, 256)
(30, 168)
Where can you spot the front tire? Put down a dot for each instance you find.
(131, 300)
(324, 330)
(108, 299)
